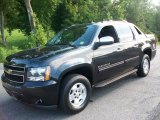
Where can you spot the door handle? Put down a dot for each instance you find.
(136, 45)
(119, 49)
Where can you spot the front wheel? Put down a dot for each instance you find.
(75, 93)
(144, 67)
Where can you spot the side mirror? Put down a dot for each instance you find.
(104, 41)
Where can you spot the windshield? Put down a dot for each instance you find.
(79, 35)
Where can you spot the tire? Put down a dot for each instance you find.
(144, 67)
(75, 93)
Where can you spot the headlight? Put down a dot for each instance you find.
(38, 74)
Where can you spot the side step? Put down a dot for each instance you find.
(106, 82)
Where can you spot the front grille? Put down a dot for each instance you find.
(14, 73)
(15, 68)
(14, 78)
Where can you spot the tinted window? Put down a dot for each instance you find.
(108, 31)
(138, 31)
(124, 32)
(78, 35)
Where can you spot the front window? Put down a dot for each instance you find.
(78, 35)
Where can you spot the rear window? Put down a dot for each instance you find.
(124, 32)
(138, 31)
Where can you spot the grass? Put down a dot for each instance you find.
(16, 42)
(16, 39)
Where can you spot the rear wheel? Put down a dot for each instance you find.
(144, 67)
(75, 93)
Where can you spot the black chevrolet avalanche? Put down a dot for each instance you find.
(78, 58)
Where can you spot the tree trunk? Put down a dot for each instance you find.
(2, 29)
(30, 15)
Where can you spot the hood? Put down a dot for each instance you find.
(37, 54)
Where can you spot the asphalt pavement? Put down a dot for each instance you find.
(131, 98)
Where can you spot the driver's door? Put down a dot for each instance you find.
(108, 59)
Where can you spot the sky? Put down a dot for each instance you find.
(155, 2)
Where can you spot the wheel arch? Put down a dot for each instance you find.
(84, 69)
(148, 51)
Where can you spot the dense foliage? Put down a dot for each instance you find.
(54, 15)
(57, 14)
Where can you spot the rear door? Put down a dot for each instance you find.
(131, 47)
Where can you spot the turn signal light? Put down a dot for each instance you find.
(47, 73)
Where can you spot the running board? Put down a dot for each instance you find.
(106, 82)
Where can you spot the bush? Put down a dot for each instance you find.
(6, 52)
(39, 38)
(16, 38)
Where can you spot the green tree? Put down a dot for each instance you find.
(103, 12)
(65, 15)
(38, 38)
(3, 10)
(136, 12)
(30, 15)
(118, 9)
(44, 11)
(58, 14)
(154, 25)
(70, 12)
(13, 16)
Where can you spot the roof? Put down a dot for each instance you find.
(102, 23)
(110, 23)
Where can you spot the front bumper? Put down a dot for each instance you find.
(39, 93)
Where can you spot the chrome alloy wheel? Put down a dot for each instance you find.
(77, 95)
(146, 66)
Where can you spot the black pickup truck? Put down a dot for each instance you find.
(77, 59)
